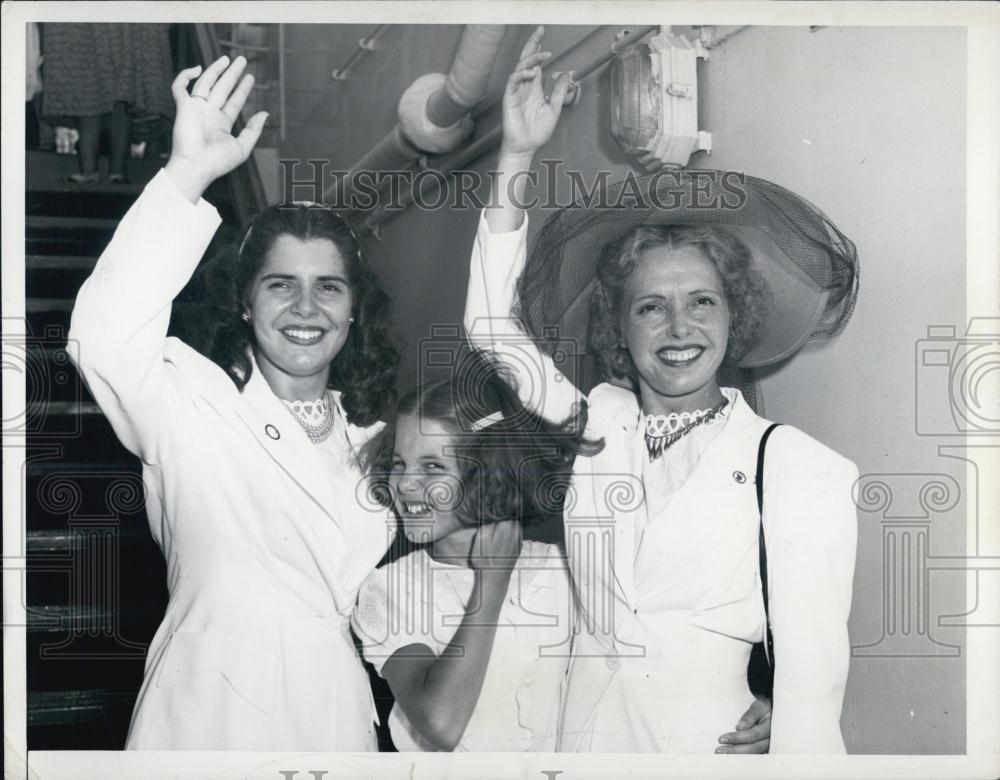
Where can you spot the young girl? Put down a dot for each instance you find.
(472, 629)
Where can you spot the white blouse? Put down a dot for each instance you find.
(663, 477)
(418, 600)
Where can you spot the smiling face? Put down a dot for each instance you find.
(300, 306)
(675, 324)
(425, 480)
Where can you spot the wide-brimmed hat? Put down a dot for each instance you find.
(808, 265)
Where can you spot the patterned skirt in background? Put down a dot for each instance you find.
(87, 68)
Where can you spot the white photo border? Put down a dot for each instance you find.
(982, 21)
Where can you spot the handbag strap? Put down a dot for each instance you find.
(768, 639)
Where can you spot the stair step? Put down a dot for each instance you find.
(38, 305)
(47, 170)
(53, 707)
(53, 618)
(59, 263)
(78, 438)
(48, 304)
(41, 222)
(52, 315)
(64, 540)
(61, 186)
(50, 408)
(43, 468)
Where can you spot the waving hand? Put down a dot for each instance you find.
(204, 147)
(529, 118)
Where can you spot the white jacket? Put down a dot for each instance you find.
(265, 548)
(660, 654)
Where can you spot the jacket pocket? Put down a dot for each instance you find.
(249, 669)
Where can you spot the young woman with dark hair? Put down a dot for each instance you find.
(250, 454)
(364, 370)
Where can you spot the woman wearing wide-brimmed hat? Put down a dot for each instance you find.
(676, 574)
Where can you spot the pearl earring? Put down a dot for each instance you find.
(246, 316)
(351, 320)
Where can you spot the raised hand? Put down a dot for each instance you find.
(529, 118)
(496, 546)
(204, 147)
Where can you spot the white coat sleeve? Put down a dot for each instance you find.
(810, 529)
(497, 261)
(119, 324)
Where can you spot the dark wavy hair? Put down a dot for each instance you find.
(517, 468)
(744, 288)
(364, 370)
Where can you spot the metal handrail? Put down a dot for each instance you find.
(364, 46)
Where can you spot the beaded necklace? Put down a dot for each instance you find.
(316, 418)
(663, 430)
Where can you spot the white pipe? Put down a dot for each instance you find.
(434, 110)
(453, 95)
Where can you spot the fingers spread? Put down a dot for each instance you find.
(178, 88)
(251, 133)
(535, 59)
(521, 76)
(534, 42)
(203, 86)
(226, 82)
(239, 97)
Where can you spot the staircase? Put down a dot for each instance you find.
(96, 581)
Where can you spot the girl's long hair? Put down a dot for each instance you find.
(516, 467)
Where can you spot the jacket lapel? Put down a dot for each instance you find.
(281, 437)
(725, 472)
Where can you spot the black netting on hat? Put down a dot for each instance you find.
(554, 289)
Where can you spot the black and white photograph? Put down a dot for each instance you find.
(555, 390)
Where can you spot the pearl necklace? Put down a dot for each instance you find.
(663, 430)
(316, 418)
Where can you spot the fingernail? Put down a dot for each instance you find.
(740, 726)
(724, 740)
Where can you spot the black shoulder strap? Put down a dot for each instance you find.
(768, 639)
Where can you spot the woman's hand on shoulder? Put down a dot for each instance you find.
(529, 118)
(204, 147)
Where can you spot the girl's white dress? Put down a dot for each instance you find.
(664, 558)
(416, 599)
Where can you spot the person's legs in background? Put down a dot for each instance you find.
(121, 133)
(86, 148)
